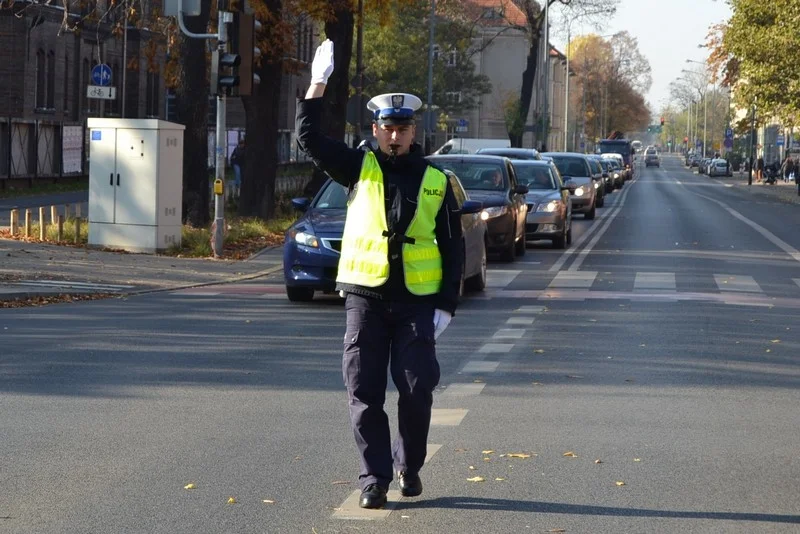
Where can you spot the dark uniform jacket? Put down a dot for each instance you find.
(402, 178)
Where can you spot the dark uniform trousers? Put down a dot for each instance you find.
(398, 335)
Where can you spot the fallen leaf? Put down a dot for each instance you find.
(472, 468)
(190, 486)
(477, 381)
(298, 458)
(268, 501)
(405, 516)
(537, 383)
(598, 461)
(476, 479)
(775, 341)
(570, 454)
(487, 459)
(539, 351)
(619, 483)
(769, 350)
(642, 345)
(231, 500)
(461, 450)
(637, 459)
(499, 479)
(488, 451)
(517, 455)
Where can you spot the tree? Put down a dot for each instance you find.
(758, 50)
(456, 85)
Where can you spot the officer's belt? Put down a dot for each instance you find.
(399, 238)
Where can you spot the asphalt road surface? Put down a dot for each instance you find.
(645, 380)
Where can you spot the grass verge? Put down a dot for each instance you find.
(244, 236)
(67, 186)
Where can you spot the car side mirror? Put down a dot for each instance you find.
(521, 190)
(300, 204)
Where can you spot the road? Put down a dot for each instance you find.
(650, 371)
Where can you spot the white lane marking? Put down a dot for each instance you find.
(479, 367)
(605, 219)
(742, 283)
(463, 390)
(775, 240)
(490, 348)
(447, 416)
(351, 510)
(509, 333)
(500, 278)
(530, 309)
(654, 281)
(522, 321)
(573, 279)
(599, 233)
(796, 281)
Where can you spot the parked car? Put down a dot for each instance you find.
(719, 167)
(511, 153)
(702, 166)
(492, 179)
(549, 206)
(313, 243)
(575, 171)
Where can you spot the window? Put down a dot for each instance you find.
(51, 80)
(452, 58)
(65, 81)
(152, 94)
(41, 80)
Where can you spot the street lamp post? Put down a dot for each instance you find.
(705, 104)
(429, 111)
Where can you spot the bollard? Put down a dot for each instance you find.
(77, 231)
(27, 223)
(42, 225)
(14, 222)
(78, 211)
(66, 211)
(60, 222)
(53, 214)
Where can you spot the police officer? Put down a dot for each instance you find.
(400, 273)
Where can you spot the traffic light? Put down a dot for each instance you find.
(242, 39)
(662, 121)
(224, 75)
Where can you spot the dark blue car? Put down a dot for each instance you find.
(312, 245)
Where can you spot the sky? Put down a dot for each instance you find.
(668, 32)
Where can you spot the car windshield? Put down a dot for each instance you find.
(333, 197)
(476, 175)
(614, 164)
(571, 166)
(535, 177)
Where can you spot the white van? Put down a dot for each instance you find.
(460, 145)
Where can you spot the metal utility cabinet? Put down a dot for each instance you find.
(135, 184)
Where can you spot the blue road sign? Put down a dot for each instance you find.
(729, 133)
(779, 140)
(728, 142)
(463, 122)
(101, 75)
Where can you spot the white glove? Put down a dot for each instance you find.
(441, 319)
(322, 66)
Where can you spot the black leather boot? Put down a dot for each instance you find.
(373, 496)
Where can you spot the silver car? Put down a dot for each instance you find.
(577, 175)
(549, 207)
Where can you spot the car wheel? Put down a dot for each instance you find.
(478, 282)
(561, 240)
(590, 214)
(300, 294)
(569, 235)
(509, 253)
(600, 202)
(520, 247)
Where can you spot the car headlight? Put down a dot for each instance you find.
(549, 207)
(616, 175)
(491, 213)
(596, 185)
(579, 192)
(304, 238)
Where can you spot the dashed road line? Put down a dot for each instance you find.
(741, 283)
(479, 367)
(447, 416)
(461, 389)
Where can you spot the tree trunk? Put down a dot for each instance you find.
(526, 91)
(257, 195)
(192, 111)
(334, 112)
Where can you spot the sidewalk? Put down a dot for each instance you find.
(31, 269)
(783, 191)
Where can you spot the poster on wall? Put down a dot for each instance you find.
(72, 149)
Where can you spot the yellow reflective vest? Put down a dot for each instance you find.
(364, 258)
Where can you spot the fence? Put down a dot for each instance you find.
(31, 149)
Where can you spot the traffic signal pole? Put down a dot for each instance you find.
(218, 227)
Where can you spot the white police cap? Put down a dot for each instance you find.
(394, 108)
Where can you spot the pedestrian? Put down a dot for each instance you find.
(787, 168)
(400, 273)
(760, 169)
(237, 162)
